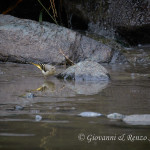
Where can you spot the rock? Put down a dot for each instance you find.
(138, 55)
(85, 71)
(115, 116)
(128, 18)
(38, 118)
(24, 40)
(137, 119)
(131, 119)
(89, 114)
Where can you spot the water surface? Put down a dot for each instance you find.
(59, 102)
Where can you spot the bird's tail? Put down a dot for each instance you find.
(37, 65)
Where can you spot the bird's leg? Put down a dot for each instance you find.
(45, 77)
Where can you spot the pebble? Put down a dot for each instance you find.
(90, 114)
(29, 95)
(38, 118)
(115, 116)
(139, 45)
(17, 107)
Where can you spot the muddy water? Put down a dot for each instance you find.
(59, 102)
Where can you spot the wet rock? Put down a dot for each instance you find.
(38, 118)
(137, 119)
(138, 55)
(90, 114)
(24, 40)
(115, 116)
(85, 71)
(128, 18)
(131, 119)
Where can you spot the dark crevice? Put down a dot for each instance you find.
(135, 35)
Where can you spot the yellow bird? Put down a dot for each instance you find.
(47, 70)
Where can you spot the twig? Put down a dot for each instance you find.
(66, 57)
(11, 7)
(47, 12)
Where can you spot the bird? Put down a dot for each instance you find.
(47, 70)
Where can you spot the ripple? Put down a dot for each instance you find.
(15, 134)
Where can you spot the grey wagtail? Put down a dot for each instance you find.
(47, 70)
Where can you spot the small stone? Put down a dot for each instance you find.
(57, 108)
(29, 95)
(38, 118)
(17, 107)
(90, 114)
(73, 108)
(115, 116)
(139, 45)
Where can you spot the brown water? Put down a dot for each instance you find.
(59, 103)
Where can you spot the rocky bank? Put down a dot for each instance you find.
(23, 41)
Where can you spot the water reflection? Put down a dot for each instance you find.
(46, 139)
(87, 88)
(46, 86)
(68, 87)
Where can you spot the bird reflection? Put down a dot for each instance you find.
(47, 86)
